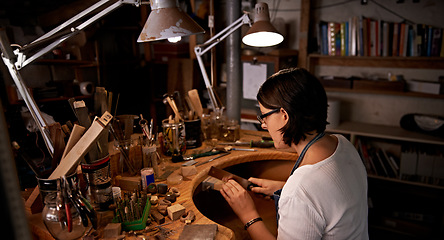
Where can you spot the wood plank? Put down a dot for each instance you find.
(72, 159)
(76, 134)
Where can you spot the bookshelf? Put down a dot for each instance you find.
(386, 195)
(400, 208)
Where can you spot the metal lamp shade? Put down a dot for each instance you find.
(167, 20)
(262, 33)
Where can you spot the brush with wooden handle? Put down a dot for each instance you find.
(195, 100)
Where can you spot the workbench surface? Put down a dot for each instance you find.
(190, 183)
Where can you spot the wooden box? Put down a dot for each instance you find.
(379, 85)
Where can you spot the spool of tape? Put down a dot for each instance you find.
(86, 88)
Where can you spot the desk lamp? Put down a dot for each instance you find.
(178, 24)
(261, 34)
(168, 21)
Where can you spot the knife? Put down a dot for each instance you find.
(220, 174)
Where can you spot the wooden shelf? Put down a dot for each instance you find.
(386, 62)
(394, 93)
(405, 182)
(385, 132)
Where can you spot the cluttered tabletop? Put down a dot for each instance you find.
(161, 196)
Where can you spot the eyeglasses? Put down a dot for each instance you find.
(261, 118)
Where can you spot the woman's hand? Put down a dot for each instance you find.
(265, 186)
(239, 200)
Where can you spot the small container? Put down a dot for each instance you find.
(147, 175)
(230, 131)
(97, 172)
(151, 158)
(47, 186)
(193, 133)
(117, 193)
(174, 142)
(50, 217)
(102, 195)
(162, 188)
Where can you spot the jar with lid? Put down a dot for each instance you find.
(58, 230)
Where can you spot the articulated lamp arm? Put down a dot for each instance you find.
(17, 59)
(205, 47)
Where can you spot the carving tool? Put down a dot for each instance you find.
(222, 174)
(179, 158)
(212, 159)
(258, 144)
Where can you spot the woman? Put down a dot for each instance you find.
(325, 196)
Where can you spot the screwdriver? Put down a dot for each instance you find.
(258, 144)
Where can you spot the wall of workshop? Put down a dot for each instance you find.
(368, 108)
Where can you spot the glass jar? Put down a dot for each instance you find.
(52, 222)
(102, 194)
(231, 131)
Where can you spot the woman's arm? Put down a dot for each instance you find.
(242, 204)
(265, 186)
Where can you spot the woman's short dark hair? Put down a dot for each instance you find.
(302, 96)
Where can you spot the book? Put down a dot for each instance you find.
(395, 41)
(385, 164)
(390, 39)
(363, 152)
(347, 37)
(402, 48)
(411, 43)
(323, 28)
(366, 36)
(438, 167)
(333, 36)
(429, 37)
(379, 166)
(394, 169)
(338, 39)
(352, 35)
(436, 42)
(373, 46)
(342, 39)
(420, 40)
(360, 36)
(408, 163)
(425, 165)
(385, 39)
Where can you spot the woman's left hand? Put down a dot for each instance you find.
(239, 200)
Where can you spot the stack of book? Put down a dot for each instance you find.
(418, 164)
(363, 36)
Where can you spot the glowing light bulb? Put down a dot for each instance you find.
(174, 39)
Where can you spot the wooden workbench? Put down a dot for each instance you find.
(190, 184)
